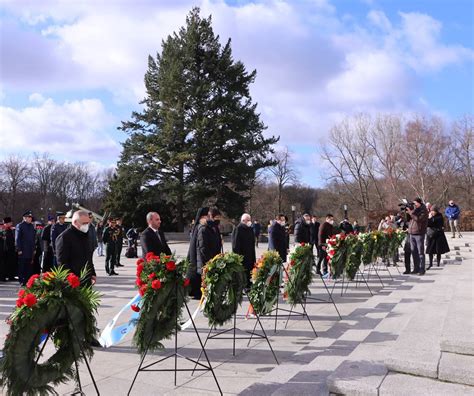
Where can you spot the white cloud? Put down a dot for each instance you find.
(73, 130)
(36, 98)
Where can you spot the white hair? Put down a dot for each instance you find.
(245, 217)
(78, 214)
(149, 215)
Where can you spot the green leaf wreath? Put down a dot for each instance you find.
(265, 282)
(162, 284)
(223, 280)
(337, 254)
(368, 243)
(354, 255)
(300, 274)
(59, 306)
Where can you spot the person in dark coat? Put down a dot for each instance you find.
(215, 221)
(25, 241)
(243, 243)
(303, 229)
(109, 237)
(38, 248)
(314, 231)
(153, 239)
(436, 239)
(120, 237)
(326, 231)
(194, 273)
(100, 243)
(10, 257)
(48, 255)
(346, 226)
(58, 228)
(73, 249)
(417, 231)
(257, 229)
(209, 241)
(277, 237)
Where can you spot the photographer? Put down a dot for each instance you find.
(417, 231)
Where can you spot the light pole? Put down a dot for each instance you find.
(293, 210)
(345, 211)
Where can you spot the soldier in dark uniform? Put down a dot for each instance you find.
(7, 240)
(57, 229)
(3, 270)
(110, 236)
(120, 236)
(25, 236)
(48, 255)
(38, 248)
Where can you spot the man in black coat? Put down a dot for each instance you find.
(25, 241)
(314, 231)
(194, 273)
(120, 237)
(109, 237)
(243, 243)
(303, 229)
(277, 239)
(73, 249)
(48, 255)
(326, 231)
(153, 239)
(209, 241)
(10, 257)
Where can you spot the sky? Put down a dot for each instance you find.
(71, 70)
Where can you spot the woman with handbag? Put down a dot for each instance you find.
(436, 240)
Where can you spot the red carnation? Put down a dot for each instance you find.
(186, 282)
(20, 302)
(140, 261)
(156, 284)
(302, 244)
(139, 282)
(142, 290)
(152, 275)
(171, 266)
(139, 269)
(292, 263)
(30, 282)
(73, 280)
(21, 293)
(135, 308)
(150, 256)
(30, 300)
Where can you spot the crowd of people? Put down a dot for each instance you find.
(29, 248)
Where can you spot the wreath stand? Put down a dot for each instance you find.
(72, 331)
(359, 275)
(275, 311)
(234, 337)
(176, 355)
(322, 300)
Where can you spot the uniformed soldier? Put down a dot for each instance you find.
(25, 236)
(57, 229)
(10, 257)
(111, 234)
(120, 237)
(48, 255)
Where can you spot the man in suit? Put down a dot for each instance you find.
(326, 231)
(48, 255)
(277, 237)
(243, 243)
(25, 238)
(153, 239)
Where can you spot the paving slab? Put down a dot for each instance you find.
(456, 368)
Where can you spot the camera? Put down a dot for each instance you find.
(405, 204)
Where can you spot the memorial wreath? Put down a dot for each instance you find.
(223, 281)
(300, 274)
(57, 305)
(265, 282)
(161, 282)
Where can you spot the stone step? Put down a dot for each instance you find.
(456, 368)
(458, 328)
(396, 384)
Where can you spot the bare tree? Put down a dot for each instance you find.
(463, 134)
(15, 174)
(283, 172)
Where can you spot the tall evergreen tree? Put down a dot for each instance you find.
(199, 138)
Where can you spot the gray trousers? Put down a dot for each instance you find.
(454, 226)
(417, 245)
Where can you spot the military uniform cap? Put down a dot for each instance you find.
(28, 213)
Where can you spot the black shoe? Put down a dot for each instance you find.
(413, 272)
(406, 273)
(95, 343)
(113, 273)
(437, 265)
(119, 265)
(429, 267)
(421, 273)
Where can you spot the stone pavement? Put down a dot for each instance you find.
(410, 337)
